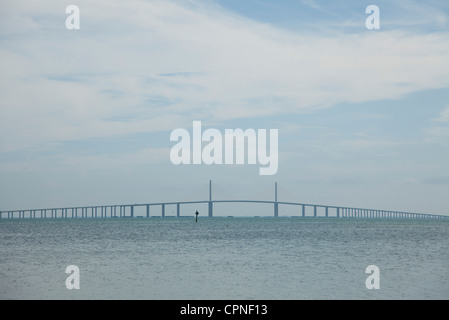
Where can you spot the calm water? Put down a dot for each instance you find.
(224, 258)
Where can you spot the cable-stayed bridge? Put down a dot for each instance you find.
(128, 210)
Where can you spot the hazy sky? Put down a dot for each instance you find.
(86, 115)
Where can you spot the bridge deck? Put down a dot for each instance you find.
(120, 210)
(127, 210)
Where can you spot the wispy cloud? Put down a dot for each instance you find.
(414, 16)
(444, 116)
(438, 132)
(236, 68)
(313, 4)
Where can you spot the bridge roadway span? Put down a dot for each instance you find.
(127, 211)
(116, 211)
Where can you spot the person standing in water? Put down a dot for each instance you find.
(197, 213)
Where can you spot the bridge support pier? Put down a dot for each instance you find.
(276, 204)
(210, 204)
(210, 209)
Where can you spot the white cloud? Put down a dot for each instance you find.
(417, 12)
(59, 85)
(436, 132)
(444, 116)
(312, 4)
(109, 162)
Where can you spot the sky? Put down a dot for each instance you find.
(362, 115)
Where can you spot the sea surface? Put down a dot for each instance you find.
(224, 258)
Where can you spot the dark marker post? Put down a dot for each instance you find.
(196, 213)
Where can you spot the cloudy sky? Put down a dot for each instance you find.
(86, 115)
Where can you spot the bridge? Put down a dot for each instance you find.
(127, 210)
